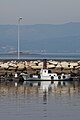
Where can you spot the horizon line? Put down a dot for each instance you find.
(46, 23)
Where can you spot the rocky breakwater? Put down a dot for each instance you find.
(11, 67)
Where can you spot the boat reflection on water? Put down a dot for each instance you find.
(23, 101)
(69, 87)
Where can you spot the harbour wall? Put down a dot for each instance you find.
(8, 67)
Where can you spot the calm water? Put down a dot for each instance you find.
(42, 56)
(30, 103)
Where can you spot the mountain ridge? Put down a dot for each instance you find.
(48, 37)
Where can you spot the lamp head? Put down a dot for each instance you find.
(20, 18)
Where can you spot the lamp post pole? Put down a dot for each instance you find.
(20, 18)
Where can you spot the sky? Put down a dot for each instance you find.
(39, 11)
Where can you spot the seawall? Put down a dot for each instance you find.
(32, 66)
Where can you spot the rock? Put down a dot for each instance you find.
(12, 65)
(58, 65)
(54, 62)
(78, 62)
(65, 64)
(20, 66)
(36, 67)
(73, 64)
(4, 65)
(50, 66)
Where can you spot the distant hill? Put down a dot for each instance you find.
(48, 37)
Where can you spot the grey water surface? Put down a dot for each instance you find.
(30, 103)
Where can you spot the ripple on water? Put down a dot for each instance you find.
(22, 102)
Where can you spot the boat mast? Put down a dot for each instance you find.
(45, 64)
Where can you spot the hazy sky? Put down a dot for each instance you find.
(39, 11)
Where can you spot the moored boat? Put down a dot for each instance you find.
(45, 75)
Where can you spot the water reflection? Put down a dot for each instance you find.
(61, 102)
(45, 98)
(7, 88)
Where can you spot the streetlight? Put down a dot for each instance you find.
(20, 18)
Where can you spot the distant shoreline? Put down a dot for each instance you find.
(41, 56)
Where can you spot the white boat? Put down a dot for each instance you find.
(45, 79)
(45, 75)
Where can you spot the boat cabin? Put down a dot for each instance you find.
(48, 75)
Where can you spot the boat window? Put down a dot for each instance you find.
(49, 71)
